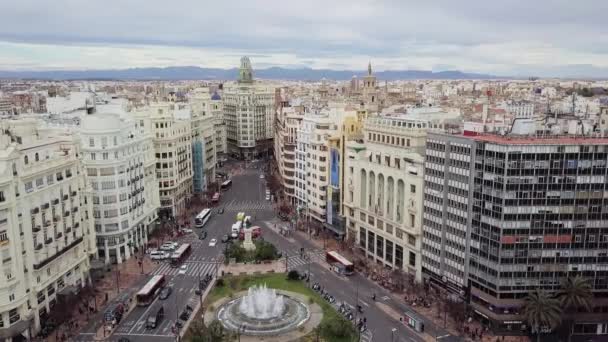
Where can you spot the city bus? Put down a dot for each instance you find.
(148, 293)
(202, 217)
(180, 255)
(226, 185)
(340, 263)
(216, 198)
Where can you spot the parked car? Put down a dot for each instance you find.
(213, 242)
(261, 176)
(165, 293)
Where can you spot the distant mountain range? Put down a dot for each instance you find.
(196, 73)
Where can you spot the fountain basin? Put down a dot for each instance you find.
(275, 313)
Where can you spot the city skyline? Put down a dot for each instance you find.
(517, 39)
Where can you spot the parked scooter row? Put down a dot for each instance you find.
(328, 297)
(343, 309)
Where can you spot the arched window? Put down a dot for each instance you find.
(36, 156)
(25, 160)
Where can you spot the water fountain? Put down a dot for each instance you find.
(263, 311)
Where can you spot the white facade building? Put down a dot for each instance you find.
(203, 139)
(172, 139)
(118, 155)
(383, 197)
(249, 114)
(46, 234)
(286, 133)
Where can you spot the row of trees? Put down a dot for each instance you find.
(546, 312)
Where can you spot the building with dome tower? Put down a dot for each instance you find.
(249, 115)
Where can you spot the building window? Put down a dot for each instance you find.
(362, 237)
(29, 187)
(13, 315)
(91, 142)
(412, 220)
(36, 157)
(411, 240)
(11, 297)
(380, 246)
(412, 188)
(25, 160)
(412, 259)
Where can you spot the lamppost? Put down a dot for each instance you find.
(393, 334)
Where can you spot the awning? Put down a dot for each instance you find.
(69, 290)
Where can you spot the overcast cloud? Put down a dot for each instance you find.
(509, 37)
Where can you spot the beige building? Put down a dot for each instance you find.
(249, 108)
(172, 139)
(46, 230)
(288, 121)
(383, 195)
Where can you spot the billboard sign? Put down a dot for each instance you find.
(334, 167)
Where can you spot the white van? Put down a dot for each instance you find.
(157, 255)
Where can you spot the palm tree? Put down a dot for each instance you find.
(575, 293)
(541, 310)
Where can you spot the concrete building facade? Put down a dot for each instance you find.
(504, 215)
(249, 109)
(46, 230)
(118, 156)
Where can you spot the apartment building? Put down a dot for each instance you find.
(203, 139)
(217, 111)
(249, 109)
(172, 138)
(288, 120)
(383, 190)
(46, 231)
(118, 156)
(505, 215)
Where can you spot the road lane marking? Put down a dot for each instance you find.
(444, 336)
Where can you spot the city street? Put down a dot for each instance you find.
(247, 195)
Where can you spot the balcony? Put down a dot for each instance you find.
(75, 209)
(55, 201)
(47, 223)
(38, 247)
(58, 235)
(35, 211)
(66, 214)
(36, 229)
(65, 197)
(73, 193)
(56, 219)
(45, 206)
(48, 241)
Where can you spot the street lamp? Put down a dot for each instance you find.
(393, 334)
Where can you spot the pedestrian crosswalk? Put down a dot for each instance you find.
(295, 260)
(247, 205)
(193, 269)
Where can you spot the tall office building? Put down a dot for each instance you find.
(118, 156)
(46, 229)
(249, 109)
(505, 215)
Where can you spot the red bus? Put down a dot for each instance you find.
(146, 295)
(340, 263)
(215, 198)
(180, 254)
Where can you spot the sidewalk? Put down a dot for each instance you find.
(429, 314)
(117, 280)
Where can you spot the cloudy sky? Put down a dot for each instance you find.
(508, 37)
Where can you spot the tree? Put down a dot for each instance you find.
(293, 275)
(336, 327)
(215, 332)
(575, 293)
(541, 311)
(265, 251)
